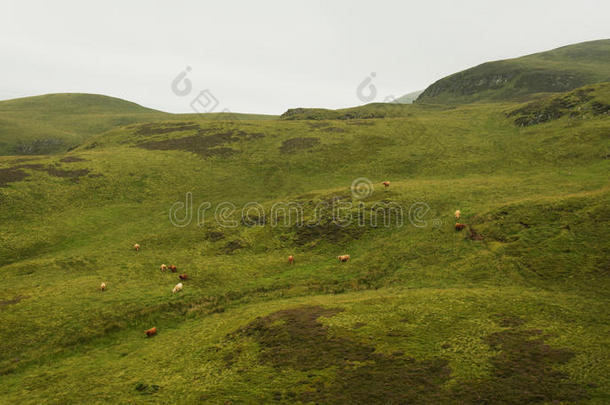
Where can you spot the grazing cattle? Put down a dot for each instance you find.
(291, 259)
(457, 214)
(183, 276)
(163, 267)
(173, 268)
(459, 227)
(136, 247)
(151, 332)
(343, 258)
(177, 288)
(386, 184)
(103, 287)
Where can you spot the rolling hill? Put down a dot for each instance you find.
(421, 313)
(558, 70)
(510, 310)
(55, 123)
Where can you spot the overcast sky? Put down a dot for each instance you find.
(268, 56)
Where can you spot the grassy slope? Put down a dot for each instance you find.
(53, 123)
(558, 70)
(539, 196)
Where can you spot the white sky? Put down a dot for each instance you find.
(268, 56)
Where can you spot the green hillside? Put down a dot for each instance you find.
(55, 123)
(558, 70)
(372, 110)
(512, 310)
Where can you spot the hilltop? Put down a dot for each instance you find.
(553, 71)
(73, 103)
(56, 122)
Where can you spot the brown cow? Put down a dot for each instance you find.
(459, 227)
(386, 184)
(150, 332)
(173, 268)
(183, 276)
(291, 259)
(343, 258)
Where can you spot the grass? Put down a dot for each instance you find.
(420, 314)
(553, 71)
(55, 123)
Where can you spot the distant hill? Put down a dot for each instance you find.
(558, 70)
(372, 110)
(72, 103)
(409, 97)
(54, 123)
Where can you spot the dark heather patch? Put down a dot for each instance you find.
(72, 159)
(25, 159)
(146, 389)
(328, 231)
(572, 104)
(295, 339)
(31, 166)
(200, 143)
(72, 174)
(600, 108)
(296, 144)
(474, 235)
(54, 171)
(13, 301)
(214, 236)
(506, 321)
(11, 175)
(165, 128)
(253, 220)
(523, 371)
(232, 246)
